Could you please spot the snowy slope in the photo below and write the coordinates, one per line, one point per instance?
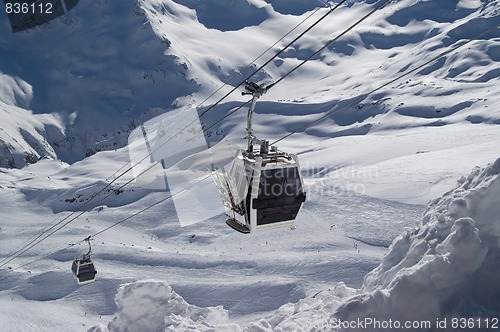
(102, 70)
(443, 269)
(73, 90)
(99, 70)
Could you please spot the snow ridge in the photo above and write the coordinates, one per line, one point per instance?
(445, 267)
(153, 306)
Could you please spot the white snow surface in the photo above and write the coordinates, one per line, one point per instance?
(154, 306)
(106, 69)
(443, 268)
(73, 90)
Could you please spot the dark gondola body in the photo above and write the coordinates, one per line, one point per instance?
(83, 270)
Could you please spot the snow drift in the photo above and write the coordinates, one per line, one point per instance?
(154, 306)
(444, 268)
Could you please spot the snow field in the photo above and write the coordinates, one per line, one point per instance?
(369, 167)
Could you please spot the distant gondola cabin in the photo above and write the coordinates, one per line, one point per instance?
(83, 270)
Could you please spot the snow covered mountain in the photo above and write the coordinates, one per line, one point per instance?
(100, 70)
(72, 91)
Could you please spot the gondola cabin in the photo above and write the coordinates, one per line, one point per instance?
(263, 188)
(83, 270)
(263, 192)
